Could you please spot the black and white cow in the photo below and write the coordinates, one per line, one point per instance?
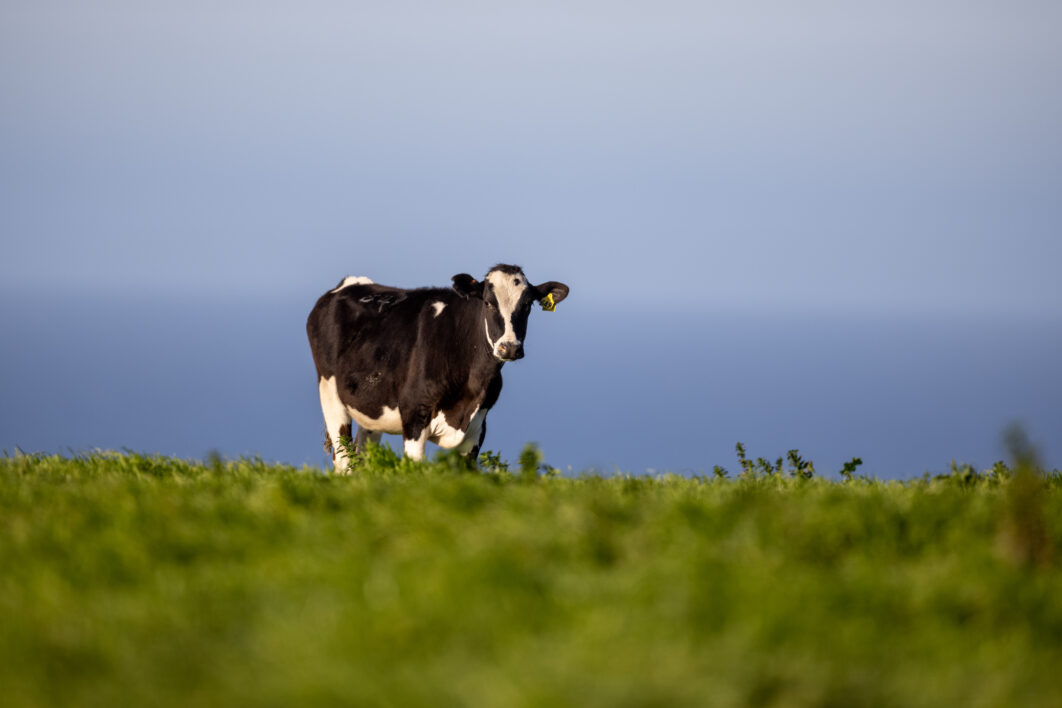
(424, 363)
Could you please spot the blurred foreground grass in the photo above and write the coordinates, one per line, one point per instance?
(148, 581)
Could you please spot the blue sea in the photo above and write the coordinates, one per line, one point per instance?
(616, 388)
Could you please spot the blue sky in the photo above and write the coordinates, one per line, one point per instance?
(898, 160)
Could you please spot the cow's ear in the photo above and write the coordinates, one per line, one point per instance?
(466, 286)
(549, 294)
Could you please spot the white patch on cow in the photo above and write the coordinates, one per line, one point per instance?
(335, 416)
(414, 448)
(353, 280)
(472, 433)
(508, 288)
(439, 306)
(446, 436)
(390, 420)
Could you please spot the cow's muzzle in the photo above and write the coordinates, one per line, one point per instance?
(509, 351)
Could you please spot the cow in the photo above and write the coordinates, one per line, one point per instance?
(424, 363)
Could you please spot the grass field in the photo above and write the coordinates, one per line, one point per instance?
(145, 581)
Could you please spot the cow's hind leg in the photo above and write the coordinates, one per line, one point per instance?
(366, 436)
(337, 423)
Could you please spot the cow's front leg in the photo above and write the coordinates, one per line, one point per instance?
(415, 431)
(472, 451)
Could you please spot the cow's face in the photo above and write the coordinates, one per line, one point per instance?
(507, 299)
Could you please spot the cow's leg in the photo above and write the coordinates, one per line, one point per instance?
(474, 435)
(469, 447)
(415, 447)
(337, 422)
(366, 436)
(415, 431)
(473, 454)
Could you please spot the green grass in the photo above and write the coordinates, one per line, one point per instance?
(148, 581)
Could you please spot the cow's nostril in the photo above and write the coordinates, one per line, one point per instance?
(508, 350)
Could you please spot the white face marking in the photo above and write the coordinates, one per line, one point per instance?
(508, 289)
(353, 280)
(439, 306)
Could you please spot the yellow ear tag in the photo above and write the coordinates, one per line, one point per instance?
(547, 303)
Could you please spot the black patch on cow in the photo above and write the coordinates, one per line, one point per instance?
(383, 300)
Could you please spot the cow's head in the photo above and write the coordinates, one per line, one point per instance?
(507, 298)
